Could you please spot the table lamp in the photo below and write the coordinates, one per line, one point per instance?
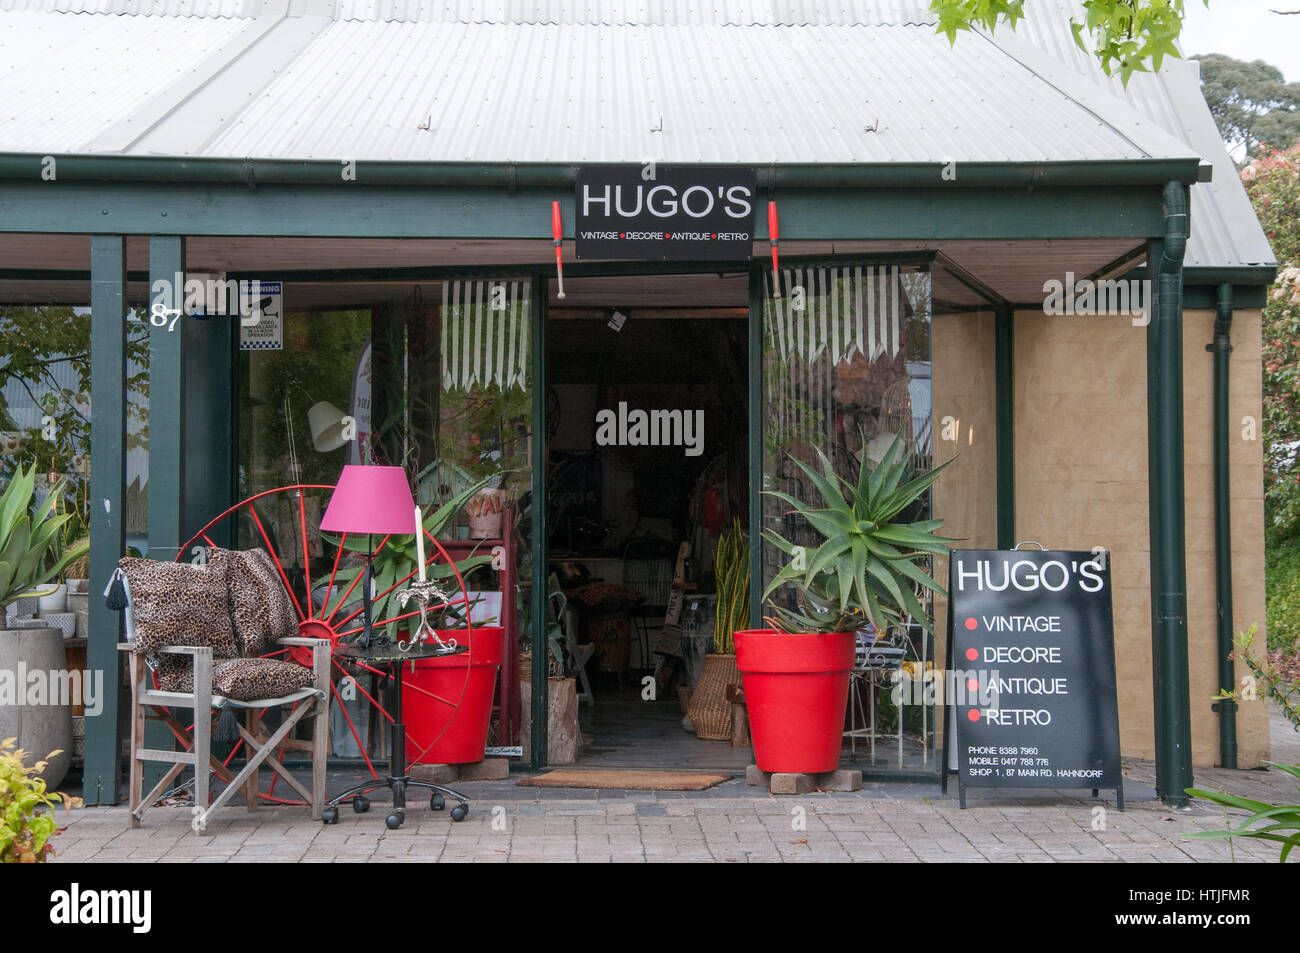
(371, 500)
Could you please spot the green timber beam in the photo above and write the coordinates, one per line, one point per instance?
(1172, 701)
(108, 398)
(350, 210)
(167, 393)
(1004, 400)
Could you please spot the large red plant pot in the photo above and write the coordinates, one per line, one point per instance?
(466, 726)
(796, 694)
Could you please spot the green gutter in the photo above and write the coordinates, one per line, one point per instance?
(537, 551)
(512, 175)
(1226, 707)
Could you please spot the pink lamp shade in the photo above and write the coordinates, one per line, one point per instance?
(370, 500)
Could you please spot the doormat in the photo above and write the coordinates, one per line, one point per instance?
(625, 780)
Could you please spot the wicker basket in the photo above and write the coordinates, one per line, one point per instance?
(710, 712)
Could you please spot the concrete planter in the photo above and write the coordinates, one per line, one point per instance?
(39, 729)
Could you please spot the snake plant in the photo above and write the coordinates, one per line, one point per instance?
(731, 571)
(866, 569)
(27, 538)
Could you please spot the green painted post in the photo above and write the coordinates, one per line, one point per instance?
(1004, 351)
(167, 345)
(103, 762)
(1172, 701)
(541, 605)
(167, 398)
(756, 581)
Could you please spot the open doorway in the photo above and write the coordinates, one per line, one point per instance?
(647, 467)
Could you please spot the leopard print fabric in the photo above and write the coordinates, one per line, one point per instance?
(259, 604)
(179, 604)
(251, 679)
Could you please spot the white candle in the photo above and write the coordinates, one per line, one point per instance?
(419, 543)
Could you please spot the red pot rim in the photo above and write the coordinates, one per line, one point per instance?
(768, 650)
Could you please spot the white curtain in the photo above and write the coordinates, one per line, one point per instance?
(485, 334)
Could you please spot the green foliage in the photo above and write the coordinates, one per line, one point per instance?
(399, 558)
(1273, 184)
(1275, 819)
(26, 808)
(1270, 677)
(1127, 36)
(34, 343)
(866, 570)
(731, 570)
(27, 537)
(1252, 104)
(1282, 591)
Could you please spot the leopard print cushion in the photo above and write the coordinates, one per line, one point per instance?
(259, 604)
(250, 679)
(179, 604)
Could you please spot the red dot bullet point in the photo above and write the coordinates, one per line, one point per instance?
(972, 684)
(971, 624)
(972, 654)
(973, 714)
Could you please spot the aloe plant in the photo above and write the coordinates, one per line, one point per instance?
(27, 538)
(731, 572)
(866, 569)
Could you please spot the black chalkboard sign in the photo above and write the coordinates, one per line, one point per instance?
(1030, 693)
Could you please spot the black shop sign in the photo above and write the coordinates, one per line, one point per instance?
(656, 212)
(1030, 694)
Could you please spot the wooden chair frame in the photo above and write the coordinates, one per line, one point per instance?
(148, 704)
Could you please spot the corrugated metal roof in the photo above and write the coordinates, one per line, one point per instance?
(643, 12)
(66, 79)
(175, 8)
(756, 81)
(606, 12)
(586, 93)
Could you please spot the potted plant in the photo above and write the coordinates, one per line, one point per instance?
(26, 538)
(710, 711)
(26, 808)
(796, 673)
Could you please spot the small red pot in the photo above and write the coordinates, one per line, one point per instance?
(466, 725)
(796, 694)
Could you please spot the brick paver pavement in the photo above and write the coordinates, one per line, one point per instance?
(731, 823)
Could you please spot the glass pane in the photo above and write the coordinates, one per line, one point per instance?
(846, 372)
(434, 379)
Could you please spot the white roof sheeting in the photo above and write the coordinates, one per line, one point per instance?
(748, 81)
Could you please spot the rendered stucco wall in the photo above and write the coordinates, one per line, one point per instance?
(1081, 481)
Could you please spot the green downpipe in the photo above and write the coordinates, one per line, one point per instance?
(1222, 347)
(1172, 700)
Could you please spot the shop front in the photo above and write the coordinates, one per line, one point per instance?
(627, 389)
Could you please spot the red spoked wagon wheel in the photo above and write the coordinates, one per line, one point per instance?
(340, 615)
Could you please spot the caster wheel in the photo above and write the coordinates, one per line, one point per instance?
(360, 804)
(330, 815)
(460, 812)
(437, 802)
(394, 821)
